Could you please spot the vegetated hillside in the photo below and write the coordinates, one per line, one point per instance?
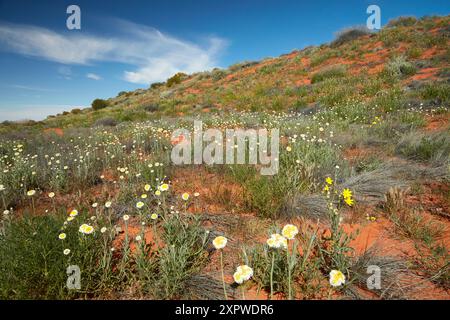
(363, 177)
(406, 62)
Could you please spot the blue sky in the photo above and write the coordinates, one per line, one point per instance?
(124, 45)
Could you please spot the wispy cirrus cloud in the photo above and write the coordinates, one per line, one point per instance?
(154, 55)
(93, 76)
(30, 88)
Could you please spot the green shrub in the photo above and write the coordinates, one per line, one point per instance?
(218, 74)
(350, 34)
(98, 104)
(398, 67)
(75, 111)
(436, 91)
(414, 52)
(105, 122)
(151, 107)
(156, 85)
(331, 72)
(176, 79)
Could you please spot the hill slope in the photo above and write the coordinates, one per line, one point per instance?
(396, 65)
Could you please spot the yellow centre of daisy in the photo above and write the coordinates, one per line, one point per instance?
(289, 231)
(220, 242)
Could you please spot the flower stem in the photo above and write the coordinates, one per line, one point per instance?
(271, 276)
(223, 276)
(289, 273)
(32, 205)
(4, 202)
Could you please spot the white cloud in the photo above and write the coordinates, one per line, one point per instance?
(93, 76)
(154, 55)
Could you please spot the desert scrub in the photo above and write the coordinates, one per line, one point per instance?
(34, 258)
(392, 36)
(335, 91)
(388, 100)
(350, 34)
(436, 91)
(183, 256)
(299, 172)
(98, 104)
(424, 147)
(318, 58)
(403, 21)
(176, 79)
(410, 222)
(261, 193)
(336, 71)
(397, 282)
(398, 67)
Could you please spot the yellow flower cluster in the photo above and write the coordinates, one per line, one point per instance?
(348, 197)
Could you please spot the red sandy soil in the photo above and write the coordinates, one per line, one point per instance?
(57, 131)
(302, 82)
(210, 186)
(430, 53)
(437, 122)
(425, 74)
(376, 69)
(354, 154)
(134, 229)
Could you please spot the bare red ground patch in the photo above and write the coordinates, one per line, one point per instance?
(437, 122)
(216, 194)
(57, 131)
(303, 82)
(425, 74)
